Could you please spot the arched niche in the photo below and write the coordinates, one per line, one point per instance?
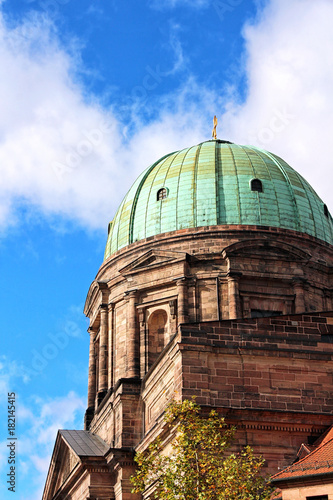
(158, 333)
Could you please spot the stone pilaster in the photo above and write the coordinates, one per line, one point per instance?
(233, 295)
(246, 307)
(91, 382)
(143, 343)
(122, 464)
(288, 306)
(327, 300)
(133, 342)
(182, 300)
(111, 346)
(298, 286)
(103, 354)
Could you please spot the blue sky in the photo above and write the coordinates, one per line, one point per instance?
(92, 93)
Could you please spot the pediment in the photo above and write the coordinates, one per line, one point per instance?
(69, 449)
(263, 248)
(63, 462)
(151, 259)
(68, 461)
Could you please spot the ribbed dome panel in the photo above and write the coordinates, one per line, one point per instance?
(210, 184)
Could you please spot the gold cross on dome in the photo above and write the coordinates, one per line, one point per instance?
(214, 129)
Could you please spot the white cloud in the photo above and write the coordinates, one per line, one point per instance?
(289, 104)
(40, 421)
(10, 372)
(57, 150)
(61, 154)
(176, 46)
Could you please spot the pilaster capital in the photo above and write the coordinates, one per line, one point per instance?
(103, 313)
(181, 281)
(234, 275)
(102, 285)
(299, 282)
(131, 294)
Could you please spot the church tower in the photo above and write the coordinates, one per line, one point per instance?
(216, 283)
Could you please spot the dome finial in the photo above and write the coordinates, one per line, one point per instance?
(214, 129)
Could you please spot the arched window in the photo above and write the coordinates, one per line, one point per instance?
(256, 185)
(162, 194)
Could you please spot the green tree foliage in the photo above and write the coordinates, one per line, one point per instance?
(199, 467)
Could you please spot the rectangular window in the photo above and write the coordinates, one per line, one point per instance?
(318, 497)
(258, 313)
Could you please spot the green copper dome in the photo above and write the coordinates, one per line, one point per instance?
(215, 183)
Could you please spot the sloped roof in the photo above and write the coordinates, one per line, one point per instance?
(327, 436)
(84, 444)
(318, 462)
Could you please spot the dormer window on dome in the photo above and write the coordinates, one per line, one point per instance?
(326, 210)
(256, 185)
(162, 194)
